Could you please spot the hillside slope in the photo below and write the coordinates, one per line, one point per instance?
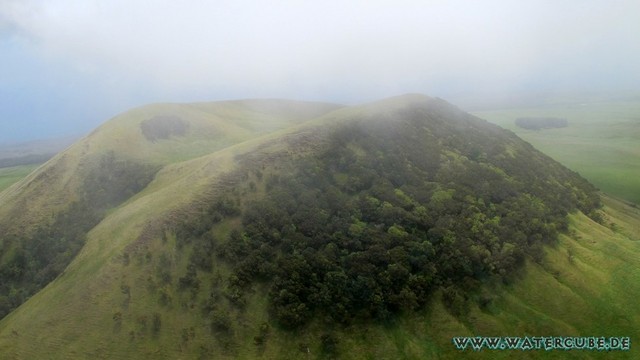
(45, 217)
(600, 141)
(63, 322)
(379, 230)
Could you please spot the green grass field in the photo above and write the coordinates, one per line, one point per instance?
(602, 141)
(11, 175)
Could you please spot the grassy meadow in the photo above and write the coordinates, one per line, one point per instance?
(602, 141)
(11, 175)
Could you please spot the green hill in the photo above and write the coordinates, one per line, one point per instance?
(44, 218)
(296, 230)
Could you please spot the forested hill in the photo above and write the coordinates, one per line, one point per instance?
(398, 199)
(315, 218)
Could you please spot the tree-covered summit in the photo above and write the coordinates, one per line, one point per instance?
(390, 205)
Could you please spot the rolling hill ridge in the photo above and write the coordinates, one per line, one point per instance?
(275, 229)
(48, 214)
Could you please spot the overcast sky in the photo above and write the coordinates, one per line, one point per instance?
(68, 65)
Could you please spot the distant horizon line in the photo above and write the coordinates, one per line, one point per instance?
(491, 100)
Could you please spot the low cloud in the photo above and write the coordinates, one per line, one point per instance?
(334, 50)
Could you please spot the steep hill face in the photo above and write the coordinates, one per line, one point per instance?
(340, 222)
(44, 218)
(375, 212)
(386, 207)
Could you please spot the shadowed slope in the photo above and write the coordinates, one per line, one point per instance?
(44, 217)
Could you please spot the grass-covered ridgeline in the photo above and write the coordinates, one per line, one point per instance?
(29, 261)
(45, 216)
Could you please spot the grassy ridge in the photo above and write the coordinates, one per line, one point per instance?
(45, 217)
(601, 141)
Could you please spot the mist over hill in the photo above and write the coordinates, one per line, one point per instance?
(225, 228)
(372, 213)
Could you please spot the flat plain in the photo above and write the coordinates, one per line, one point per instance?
(11, 175)
(601, 142)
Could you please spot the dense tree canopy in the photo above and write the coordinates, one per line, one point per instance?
(390, 210)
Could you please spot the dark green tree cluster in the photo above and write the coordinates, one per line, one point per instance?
(390, 210)
(163, 127)
(31, 262)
